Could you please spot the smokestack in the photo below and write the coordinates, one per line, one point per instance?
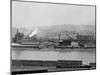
(59, 36)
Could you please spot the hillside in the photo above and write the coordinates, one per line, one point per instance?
(52, 31)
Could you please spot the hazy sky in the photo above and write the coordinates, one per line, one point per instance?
(27, 14)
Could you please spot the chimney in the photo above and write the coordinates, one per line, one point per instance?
(59, 36)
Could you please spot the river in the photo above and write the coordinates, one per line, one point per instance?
(86, 56)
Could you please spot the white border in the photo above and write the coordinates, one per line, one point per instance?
(5, 37)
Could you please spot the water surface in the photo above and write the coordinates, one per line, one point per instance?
(87, 56)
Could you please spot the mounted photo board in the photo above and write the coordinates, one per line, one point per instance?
(52, 37)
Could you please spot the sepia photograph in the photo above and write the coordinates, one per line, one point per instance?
(52, 37)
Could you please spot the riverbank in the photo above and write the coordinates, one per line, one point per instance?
(33, 66)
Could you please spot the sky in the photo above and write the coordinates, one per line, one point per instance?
(30, 14)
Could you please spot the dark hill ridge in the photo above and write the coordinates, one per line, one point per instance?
(76, 28)
(52, 31)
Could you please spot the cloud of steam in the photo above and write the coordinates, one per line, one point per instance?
(34, 32)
